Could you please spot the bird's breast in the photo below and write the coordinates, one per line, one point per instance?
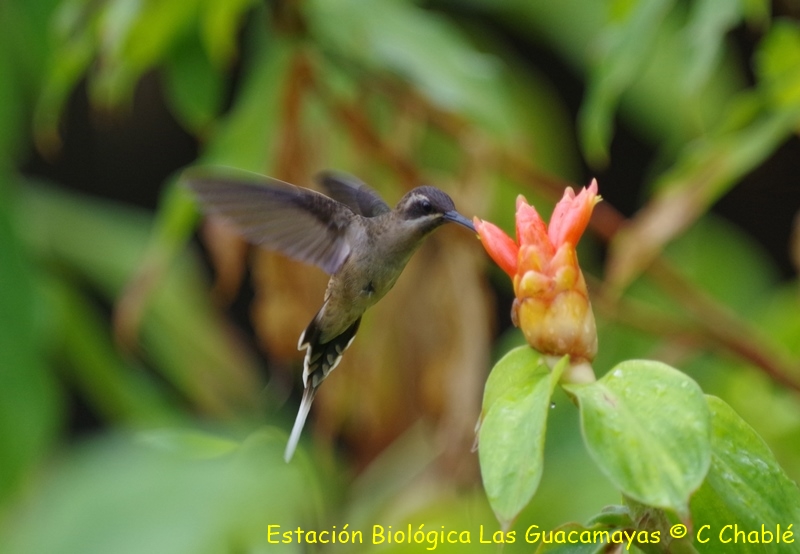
(376, 261)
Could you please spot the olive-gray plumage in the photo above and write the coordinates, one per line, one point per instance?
(353, 235)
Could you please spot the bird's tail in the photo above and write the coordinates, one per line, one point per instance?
(321, 359)
(305, 405)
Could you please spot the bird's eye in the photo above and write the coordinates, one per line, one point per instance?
(426, 206)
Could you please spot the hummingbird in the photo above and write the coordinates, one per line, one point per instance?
(351, 233)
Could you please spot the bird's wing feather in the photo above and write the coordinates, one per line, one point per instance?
(301, 223)
(353, 192)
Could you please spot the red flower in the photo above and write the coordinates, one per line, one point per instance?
(552, 303)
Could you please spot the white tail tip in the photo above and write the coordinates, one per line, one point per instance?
(299, 422)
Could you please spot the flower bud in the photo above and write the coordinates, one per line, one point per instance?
(552, 302)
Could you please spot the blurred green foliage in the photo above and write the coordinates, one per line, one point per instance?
(187, 457)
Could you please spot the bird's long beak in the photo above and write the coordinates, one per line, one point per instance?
(456, 217)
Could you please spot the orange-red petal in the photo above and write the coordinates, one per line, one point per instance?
(498, 245)
(571, 215)
(531, 229)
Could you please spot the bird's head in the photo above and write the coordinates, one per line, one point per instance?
(428, 207)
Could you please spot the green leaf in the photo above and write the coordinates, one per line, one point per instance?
(10, 111)
(777, 64)
(780, 317)
(28, 399)
(193, 85)
(246, 138)
(125, 497)
(20, 63)
(511, 437)
(182, 334)
(135, 37)
(73, 46)
(509, 370)
(219, 25)
(648, 428)
(708, 26)
(24, 51)
(174, 224)
(655, 102)
(418, 45)
(625, 51)
(116, 389)
(757, 12)
(188, 442)
(745, 486)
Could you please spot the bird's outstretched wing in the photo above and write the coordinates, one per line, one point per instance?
(301, 223)
(352, 192)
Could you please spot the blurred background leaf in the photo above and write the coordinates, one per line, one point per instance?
(138, 499)
(29, 414)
